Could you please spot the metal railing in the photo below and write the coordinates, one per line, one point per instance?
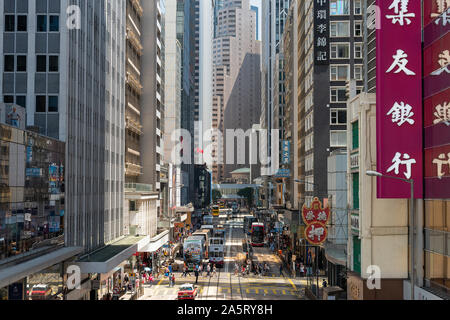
(138, 187)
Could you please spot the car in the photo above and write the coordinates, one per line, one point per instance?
(187, 292)
(40, 292)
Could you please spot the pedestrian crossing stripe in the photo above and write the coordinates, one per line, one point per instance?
(247, 290)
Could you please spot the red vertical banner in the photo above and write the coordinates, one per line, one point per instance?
(399, 98)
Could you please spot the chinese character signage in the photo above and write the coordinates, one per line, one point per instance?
(316, 218)
(399, 98)
(321, 32)
(436, 84)
(286, 152)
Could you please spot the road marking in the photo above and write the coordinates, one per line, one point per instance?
(274, 291)
(293, 285)
(257, 291)
(247, 290)
(266, 291)
(160, 281)
(284, 292)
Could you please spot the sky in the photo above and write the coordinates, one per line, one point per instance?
(257, 3)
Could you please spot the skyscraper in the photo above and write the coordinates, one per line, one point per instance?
(236, 80)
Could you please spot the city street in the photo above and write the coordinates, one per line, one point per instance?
(225, 285)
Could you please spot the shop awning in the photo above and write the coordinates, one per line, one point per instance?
(19, 271)
(336, 255)
(110, 256)
(156, 242)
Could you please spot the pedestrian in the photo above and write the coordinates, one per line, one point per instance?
(214, 269)
(150, 279)
(196, 276)
(184, 271)
(324, 283)
(208, 270)
(236, 269)
(200, 270)
(302, 270)
(281, 270)
(173, 280)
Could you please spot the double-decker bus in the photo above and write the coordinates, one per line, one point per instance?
(257, 234)
(216, 251)
(193, 251)
(215, 210)
(248, 221)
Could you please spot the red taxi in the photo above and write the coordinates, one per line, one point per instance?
(187, 292)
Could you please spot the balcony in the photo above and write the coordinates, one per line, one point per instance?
(134, 126)
(134, 83)
(132, 169)
(138, 7)
(135, 41)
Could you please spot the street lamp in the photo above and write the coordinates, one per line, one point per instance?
(412, 222)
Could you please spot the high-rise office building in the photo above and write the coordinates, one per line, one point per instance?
(236, 82)
(64, 63)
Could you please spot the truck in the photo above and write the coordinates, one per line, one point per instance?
(193, 251)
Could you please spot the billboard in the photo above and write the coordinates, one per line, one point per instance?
(399, 99)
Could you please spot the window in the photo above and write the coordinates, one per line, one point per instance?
(355, 178)
(339, 7)
(21, 23)
(338, 138)
(358, 51)
(9, 23)
(355, 135)
(53, 104)
(358, 72)
(339, 73)
(339, 29)
(340, 51)
(8, 99)
(21, 63)
(21, 101)
(41, 63)
(338, 94)
(41, 23)
(53, 63)
(9, 63)
(338, 117)
(40, 103)
(54, 23)
(358, 7)
(358, 28)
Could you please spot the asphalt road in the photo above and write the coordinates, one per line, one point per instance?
(225, 285)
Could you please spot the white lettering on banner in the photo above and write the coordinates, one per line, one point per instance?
(442, 113)
(322, 216)
(400, 8)
(322, 28)
(444, 62)
(310, 216)
(322, 2)
(443, 7)
(400, 61)
(440, 162)
(401, 113)
(406, 161)
(319, 232)
(321, 14)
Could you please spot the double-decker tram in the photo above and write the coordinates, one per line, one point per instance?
(257, 234)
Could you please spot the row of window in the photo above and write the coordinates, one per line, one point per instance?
(19, 63)
(43, 103)
(342, 7)
(342, 50)
(19, 23)
(339, 29)
(342, 72)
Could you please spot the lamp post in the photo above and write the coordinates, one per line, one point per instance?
(317, 247)
(412, 223)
